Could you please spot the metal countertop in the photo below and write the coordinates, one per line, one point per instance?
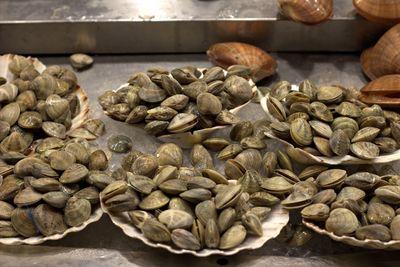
(103, 244)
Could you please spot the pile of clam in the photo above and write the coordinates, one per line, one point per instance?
(36, 104)
(362, 204)
(331, 121)
(190, 207)
(181, 100)
(54, 188)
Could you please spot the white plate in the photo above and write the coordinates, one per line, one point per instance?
(188, 139)
(272, 226)
(352, 241)
(307, 158)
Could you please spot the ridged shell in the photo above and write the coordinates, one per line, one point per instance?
(382, 91)
(381, 11)
(233, 53)
(307, 11)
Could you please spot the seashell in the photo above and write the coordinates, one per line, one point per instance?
(141, 183)
(341, 222)
(233, 53)
(280, 90)
(228, 197)
(385, 50)
(200, 157)
(339, 143)
(238, 89)
(269, 162)
(15, 142)
(145, 165)
(8, 92)
(4, 129)
(95, 126)
(307, 11)
(182, 122)
(169, 154)
(215, 143)
(138, 217)
(56, 199)
(63, 74)
(27, 197)
(113, 189)
(57, 107)
(154, 201)
(80, 153)
(10, 113)
(208, 104)
(126, 201)
(348, 109)
(194, 89)
(156, 127)
(277, 185)
(380, 213)
(381, 11)
(316, 212)
(30, 120)
(119, 143)
(276, 108)
(46, 184)
(226, 117)
(311, 171)
(233, 237)
(177, 203)
(250, 159)
(74, 173)
(296, 199)
(173, 187)
(213, 74)
(206, 211)
(76, 211)
(156, 231)
(330, 94)
(26, 100)
(196, 195)
(389, 194)
(6, 210)
(365, 150)
(19, 63)
(331, 178)
(300, 131)
(200, 182)
(48, 220)
(81, 61)
(176, 102)
(98, 160)
(108, 99)
(22, 221)
(238, 70)
(185, 240)
(350, 192)
(226, 219)
(386, 144)
(61, 160)
(185, 75)
(90, 193)
(99, 179)
(381, 91)
(374, 232)
(54, 129)
(362, 180)
(326, 196)
(263, 199)
(366, 134)
(308, 88)
(7, 230)
(211, 234)
(395, 227)
(176, 219)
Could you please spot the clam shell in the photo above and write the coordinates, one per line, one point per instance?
(381, 11)
(307, 11)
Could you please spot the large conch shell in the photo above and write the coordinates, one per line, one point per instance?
(307, 11)
(384, 91)
(226, 54)
(381, 11)
(384, 57)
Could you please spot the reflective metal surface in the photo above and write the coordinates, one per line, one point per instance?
(172, 26)
(103, 244)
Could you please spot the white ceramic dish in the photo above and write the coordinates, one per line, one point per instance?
(352, 241)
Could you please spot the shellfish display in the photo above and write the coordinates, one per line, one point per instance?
(184, 105)
(357, 208)
(194, 210)
(329, 124)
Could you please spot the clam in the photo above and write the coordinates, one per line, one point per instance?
(238, 90)
(395, 228)
(200, 157)
(381, 91)
(226, 117)
(365, 150)
(74, 173)
(316, 212)
(250, 159)
(211, 234)
(215, 143)
(208, 104)
(169, 154)
(339, 143)
(232, 53)
(331, 178)
(176, 102)
(177, 203)
(27, 197)
(155, 231)
(176, 219)
(276, 108)
(82, 133)
(46, 184)
(380, 213)
(307, 11)
(151, 93)
(54, 129)
(341, 222)
(138, 217)
(4, 129)
(27, 100)
(7, 230)
(196, 195)
(79, 151)
(10, 113)
(386, 144)
(18, 63)
(48, 220)
(296, 200)
(182, 122)
(141, 183)
(185, 75)
(374, 232)
(362, 180)
(381, 11)
(320, 111)
(119, 143)
(76, 211)
(6, 210)
(8, 92)
(154, 201)
(226, 219)
(98, 160)
(99, 179)
(56, 199)
(137, 114)
(22, 221)
(90, 193)
(300, 131)
(81, 61)
(206, 211)
(15, 142)
(95, 126)
(185, 239)
(61, 160)
(277, 185)
(233, 237)
(263, 199)
(229, 152)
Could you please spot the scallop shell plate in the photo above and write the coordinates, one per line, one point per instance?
(352, 241)
(188, 139)
(308, 158)
(40, 67)
(272, 226)
(76, 123)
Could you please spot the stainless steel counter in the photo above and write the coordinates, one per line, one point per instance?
(103, 244)
(172, 26)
